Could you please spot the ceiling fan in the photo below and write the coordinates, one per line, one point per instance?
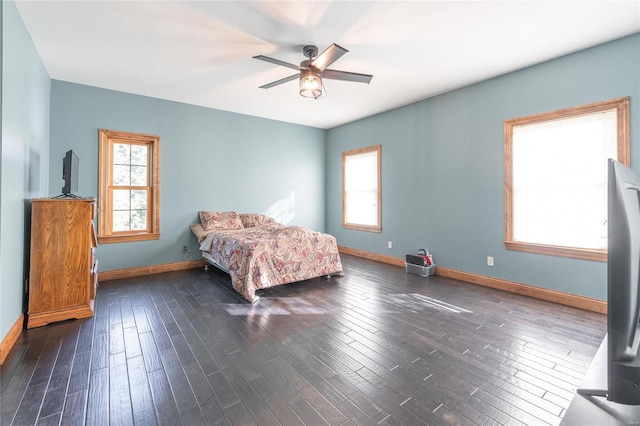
(311, 71)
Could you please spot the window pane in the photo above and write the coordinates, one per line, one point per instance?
(121, 199)
(362, 208)
(361, 172)
(575, 150)
(577, 218)
(138, 176)
(121, 153)
(138, 220)
(138, 200)
(121, 175)
(139, 155)
(121, 221)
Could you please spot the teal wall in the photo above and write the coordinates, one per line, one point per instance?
(25, 156)
(442, 166)
(210, 160)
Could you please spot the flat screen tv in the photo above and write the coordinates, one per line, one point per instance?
(623, 285)
(70, 173)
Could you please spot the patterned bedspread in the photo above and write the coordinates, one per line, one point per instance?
(272, 254)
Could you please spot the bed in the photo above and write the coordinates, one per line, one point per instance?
(257, 252)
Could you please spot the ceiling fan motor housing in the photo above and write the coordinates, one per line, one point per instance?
(310, 51)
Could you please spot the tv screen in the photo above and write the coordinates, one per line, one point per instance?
(70, 173)
(623, 287)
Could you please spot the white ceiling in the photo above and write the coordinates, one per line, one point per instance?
(201, 52)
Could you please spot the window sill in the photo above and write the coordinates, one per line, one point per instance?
(368, 228)
(573, 252)
(128, 238)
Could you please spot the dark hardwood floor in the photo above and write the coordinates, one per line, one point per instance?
(377, 346)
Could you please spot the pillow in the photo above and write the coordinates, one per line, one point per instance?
(199, 232)
(249, 220)
(216, 220)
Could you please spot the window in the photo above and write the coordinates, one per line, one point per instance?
(555, 178)
(361, 192)
(129, 187)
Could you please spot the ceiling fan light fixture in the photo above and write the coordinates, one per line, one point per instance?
(310, 84)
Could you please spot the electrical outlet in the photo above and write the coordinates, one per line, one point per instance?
(489, 260)
(389, 244)
(185, 249)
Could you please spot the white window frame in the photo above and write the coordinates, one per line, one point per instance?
(621, 107)
(375, 186)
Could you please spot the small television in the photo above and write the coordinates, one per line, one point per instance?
(70, 173)
(623, 285)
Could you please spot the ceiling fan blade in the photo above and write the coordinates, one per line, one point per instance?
(282, 80)
(347, 76)
(329, 56)
(277, 62)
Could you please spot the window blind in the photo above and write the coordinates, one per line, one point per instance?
(559, 180)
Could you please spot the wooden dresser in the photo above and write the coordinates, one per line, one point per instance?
(63, 268)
